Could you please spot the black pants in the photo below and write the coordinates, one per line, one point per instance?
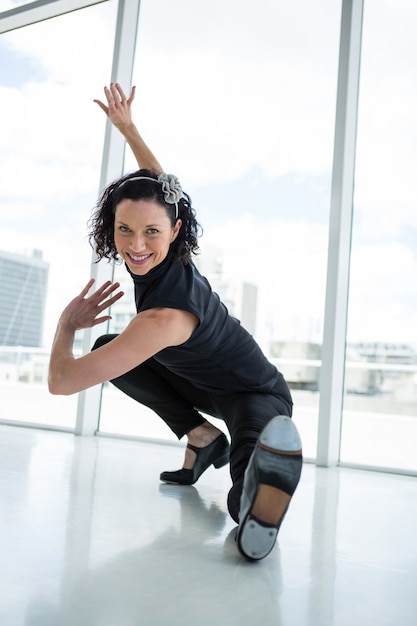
(178, 403)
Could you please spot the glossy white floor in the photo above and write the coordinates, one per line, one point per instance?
(89, 537)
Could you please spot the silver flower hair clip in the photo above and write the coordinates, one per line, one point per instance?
(171, 187)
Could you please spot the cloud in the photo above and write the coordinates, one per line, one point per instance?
(288, 263)
(385, 184)
(252, 99)
(220, 99)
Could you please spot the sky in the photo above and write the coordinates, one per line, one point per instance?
(242, 109)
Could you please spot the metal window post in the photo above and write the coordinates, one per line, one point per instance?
(89, 401)
(340, 229)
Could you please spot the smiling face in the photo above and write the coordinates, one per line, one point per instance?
(143, 234)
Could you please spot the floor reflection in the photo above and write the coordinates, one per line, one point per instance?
(90, 537)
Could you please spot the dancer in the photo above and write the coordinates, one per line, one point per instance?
(182, 354)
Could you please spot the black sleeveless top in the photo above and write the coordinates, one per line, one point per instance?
(220, 356)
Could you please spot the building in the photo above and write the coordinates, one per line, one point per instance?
(371, 368)
(302, 362)
(239, 296)
(23, 288)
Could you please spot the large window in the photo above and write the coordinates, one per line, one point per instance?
(380, 408)
(240, 104)
(242, 109)
(50, 154)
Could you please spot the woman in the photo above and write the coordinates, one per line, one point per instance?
(182, 354)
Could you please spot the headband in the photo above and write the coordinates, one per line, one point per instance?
(171, 187)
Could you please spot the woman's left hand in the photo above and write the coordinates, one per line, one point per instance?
(83, 312)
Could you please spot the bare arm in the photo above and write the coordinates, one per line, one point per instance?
(148, 333)
(118, 110)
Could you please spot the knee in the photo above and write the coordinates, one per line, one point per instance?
(101, 341)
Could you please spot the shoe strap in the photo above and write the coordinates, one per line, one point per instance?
(197, 450)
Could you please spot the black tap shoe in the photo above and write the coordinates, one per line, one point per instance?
(271, 478)
(216, 453)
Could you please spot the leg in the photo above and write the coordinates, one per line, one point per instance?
(178, 403)
(265, 465)
(246, 415)
(270, 480)
(154, 386)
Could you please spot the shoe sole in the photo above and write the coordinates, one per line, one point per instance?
(258, 532)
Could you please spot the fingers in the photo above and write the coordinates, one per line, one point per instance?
(100, 300)
(132, 96)
(101, 293)
(87, 288)
(110, 301)
(116, 96)
(106, 289)
(84, 310)
(102, 106)
(100, 320)
(118, 91)
(105, 302)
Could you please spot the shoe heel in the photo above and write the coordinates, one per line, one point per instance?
(223, 460)
(281, 435)
(256, 540)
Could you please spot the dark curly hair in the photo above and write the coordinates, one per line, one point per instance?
(101, 224)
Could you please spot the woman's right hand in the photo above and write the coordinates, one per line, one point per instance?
(118, 108)
(84, 311)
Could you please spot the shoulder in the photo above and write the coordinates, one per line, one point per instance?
(172, 326)
(180, 284)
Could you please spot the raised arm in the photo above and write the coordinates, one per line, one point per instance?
(118, 110)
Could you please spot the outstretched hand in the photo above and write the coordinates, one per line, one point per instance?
(118, 108)
(82, 311)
